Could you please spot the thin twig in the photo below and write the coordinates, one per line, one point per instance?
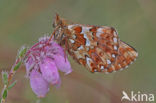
(12, 72)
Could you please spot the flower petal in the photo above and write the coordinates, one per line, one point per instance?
(58, 48)
(62, 64)
(49, 71)
(39, 86)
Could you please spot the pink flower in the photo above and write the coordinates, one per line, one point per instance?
(29, 64)
(39, 86)
(44, 59)
(49, 71)
(62, 64)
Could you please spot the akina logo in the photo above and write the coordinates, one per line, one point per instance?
(137, 97)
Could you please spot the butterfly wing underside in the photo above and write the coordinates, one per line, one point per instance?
(98, 48)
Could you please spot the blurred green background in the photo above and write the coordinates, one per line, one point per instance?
(24, 21)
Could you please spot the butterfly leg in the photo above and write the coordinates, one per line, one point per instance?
(53, 34)
(66, 47)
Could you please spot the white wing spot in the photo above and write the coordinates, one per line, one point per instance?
(87, 40)
(81, 47)
(137, 54)
(95, 70)
(126, 66)
(108, 61)
(102, 67)
(120, 69)
(131, 62)
(73, 36)
(85, 29)
(70, 26)
(98, 34)
(115, 40)
(113, 55)
(77, 53)
(84, 32)
(115, 48)
(113, 67)
(99, 31)
(71, 40)
(88, 61)
(115, 33)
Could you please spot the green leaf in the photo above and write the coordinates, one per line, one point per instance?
(5, 77)
(5, 93)
(12, 85)
(22, 51)
(17, 66)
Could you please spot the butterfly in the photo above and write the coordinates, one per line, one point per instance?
(98, 48)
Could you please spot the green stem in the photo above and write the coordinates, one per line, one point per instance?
(12, 72)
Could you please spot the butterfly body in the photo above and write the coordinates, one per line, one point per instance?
(98, 48)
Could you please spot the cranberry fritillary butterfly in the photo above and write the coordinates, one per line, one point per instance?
(98, 48)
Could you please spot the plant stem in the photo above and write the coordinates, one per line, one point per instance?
(12, 72)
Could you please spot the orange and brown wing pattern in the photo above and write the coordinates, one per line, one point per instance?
(98, 48)
(127, 55)
(92, 46)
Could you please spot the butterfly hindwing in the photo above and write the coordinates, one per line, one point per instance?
(127, 55)
(94, 47)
